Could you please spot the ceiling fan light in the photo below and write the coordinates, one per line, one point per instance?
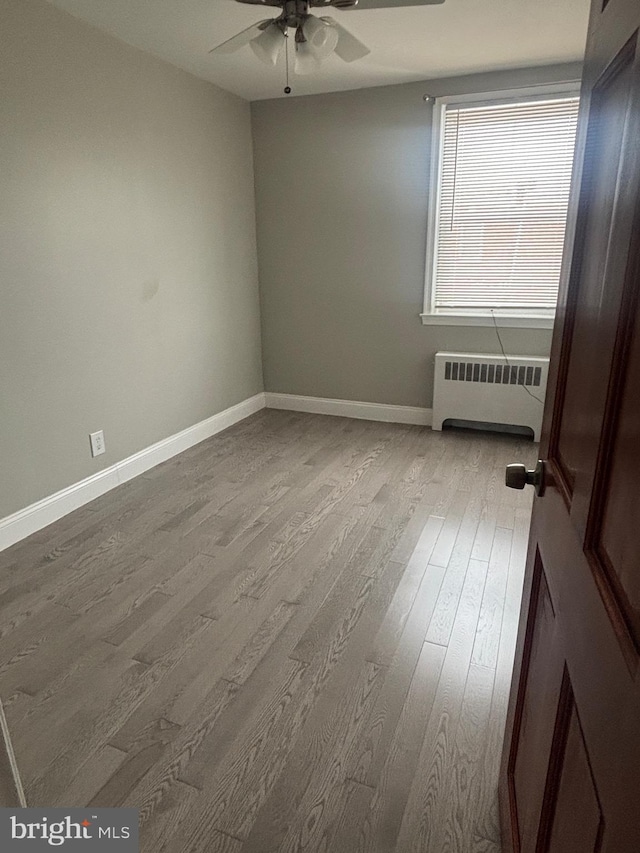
(268, 45)
(306, 60)
(321, 37)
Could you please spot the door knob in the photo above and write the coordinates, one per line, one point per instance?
(517, 476)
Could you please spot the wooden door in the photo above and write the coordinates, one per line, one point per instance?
(570, 779)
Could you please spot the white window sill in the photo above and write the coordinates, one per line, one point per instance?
(503, 321)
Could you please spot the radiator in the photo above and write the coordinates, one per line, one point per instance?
(488, 389)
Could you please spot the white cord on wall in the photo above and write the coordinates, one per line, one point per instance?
(530, 393)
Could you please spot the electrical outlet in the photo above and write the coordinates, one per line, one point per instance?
(97, 442)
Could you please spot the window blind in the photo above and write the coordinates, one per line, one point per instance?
(503, 197)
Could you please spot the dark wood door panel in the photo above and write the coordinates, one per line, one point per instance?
(554, 645)
(576, 822)
(571, 771)
(615, 515)
(577, 598)
(588, 364)
(541, 681)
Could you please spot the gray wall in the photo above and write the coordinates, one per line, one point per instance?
(128, 274)
(341, 201)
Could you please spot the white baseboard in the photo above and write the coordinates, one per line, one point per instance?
(350, 409)
(32, 518)
(26, 521)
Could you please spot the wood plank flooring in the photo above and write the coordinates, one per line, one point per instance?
(296, 636)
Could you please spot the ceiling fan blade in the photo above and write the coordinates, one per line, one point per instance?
(242, 38)
(348, 48)
(347, 5)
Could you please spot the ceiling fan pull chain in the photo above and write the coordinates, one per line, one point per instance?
(287, 88)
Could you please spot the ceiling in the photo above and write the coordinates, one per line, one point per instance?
(414, 43)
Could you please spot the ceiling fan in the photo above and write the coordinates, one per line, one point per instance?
(316, 38)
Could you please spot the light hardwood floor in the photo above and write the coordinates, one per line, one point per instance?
(296, 636)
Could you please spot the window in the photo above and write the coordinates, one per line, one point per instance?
(501, 174)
